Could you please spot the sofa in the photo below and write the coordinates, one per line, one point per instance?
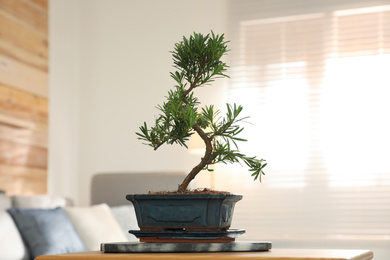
(37, 225)
(42, 224)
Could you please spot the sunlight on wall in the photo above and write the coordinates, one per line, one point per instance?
(316, 87)
(355, 124)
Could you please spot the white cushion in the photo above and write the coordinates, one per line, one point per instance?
(11, 246)
(38, 202)
(95, 225)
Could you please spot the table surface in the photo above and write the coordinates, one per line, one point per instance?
(273, 254)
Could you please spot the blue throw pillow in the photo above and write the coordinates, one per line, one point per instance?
(47, 231)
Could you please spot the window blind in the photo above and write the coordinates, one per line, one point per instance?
(314, 78)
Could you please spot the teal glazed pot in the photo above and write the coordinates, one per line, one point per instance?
(184, 211)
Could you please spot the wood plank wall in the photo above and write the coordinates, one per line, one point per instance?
(23, 96)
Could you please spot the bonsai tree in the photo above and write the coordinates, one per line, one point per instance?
(198, 63)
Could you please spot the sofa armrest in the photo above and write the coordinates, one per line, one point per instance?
(39, 201)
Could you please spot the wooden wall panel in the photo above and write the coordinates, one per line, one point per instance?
(32, 14)
(19, 75)
(23, 96)
(22, 155)
(23, 104)
(20, 54)
(36, 136)
(14, 30)
(41, 3)
(24, 180)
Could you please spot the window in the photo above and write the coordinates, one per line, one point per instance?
(315, 81)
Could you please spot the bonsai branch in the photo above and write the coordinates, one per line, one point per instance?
(203, 162)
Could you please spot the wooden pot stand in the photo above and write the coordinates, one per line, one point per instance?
(187, 236)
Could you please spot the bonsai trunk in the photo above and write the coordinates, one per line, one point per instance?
(203, 162)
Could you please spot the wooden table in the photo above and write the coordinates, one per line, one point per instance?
(274, 254)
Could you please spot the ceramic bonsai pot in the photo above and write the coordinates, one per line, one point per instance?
(207, 212)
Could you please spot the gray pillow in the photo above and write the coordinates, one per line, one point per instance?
(47, 231)
(125, 215)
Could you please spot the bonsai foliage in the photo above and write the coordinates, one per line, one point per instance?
(198, 63)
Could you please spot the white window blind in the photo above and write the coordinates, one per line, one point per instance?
(314, 76)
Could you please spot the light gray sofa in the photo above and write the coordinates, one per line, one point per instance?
(112, 187)
(36, 225)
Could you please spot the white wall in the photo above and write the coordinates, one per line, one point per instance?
(109, 68)
(64, 74)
